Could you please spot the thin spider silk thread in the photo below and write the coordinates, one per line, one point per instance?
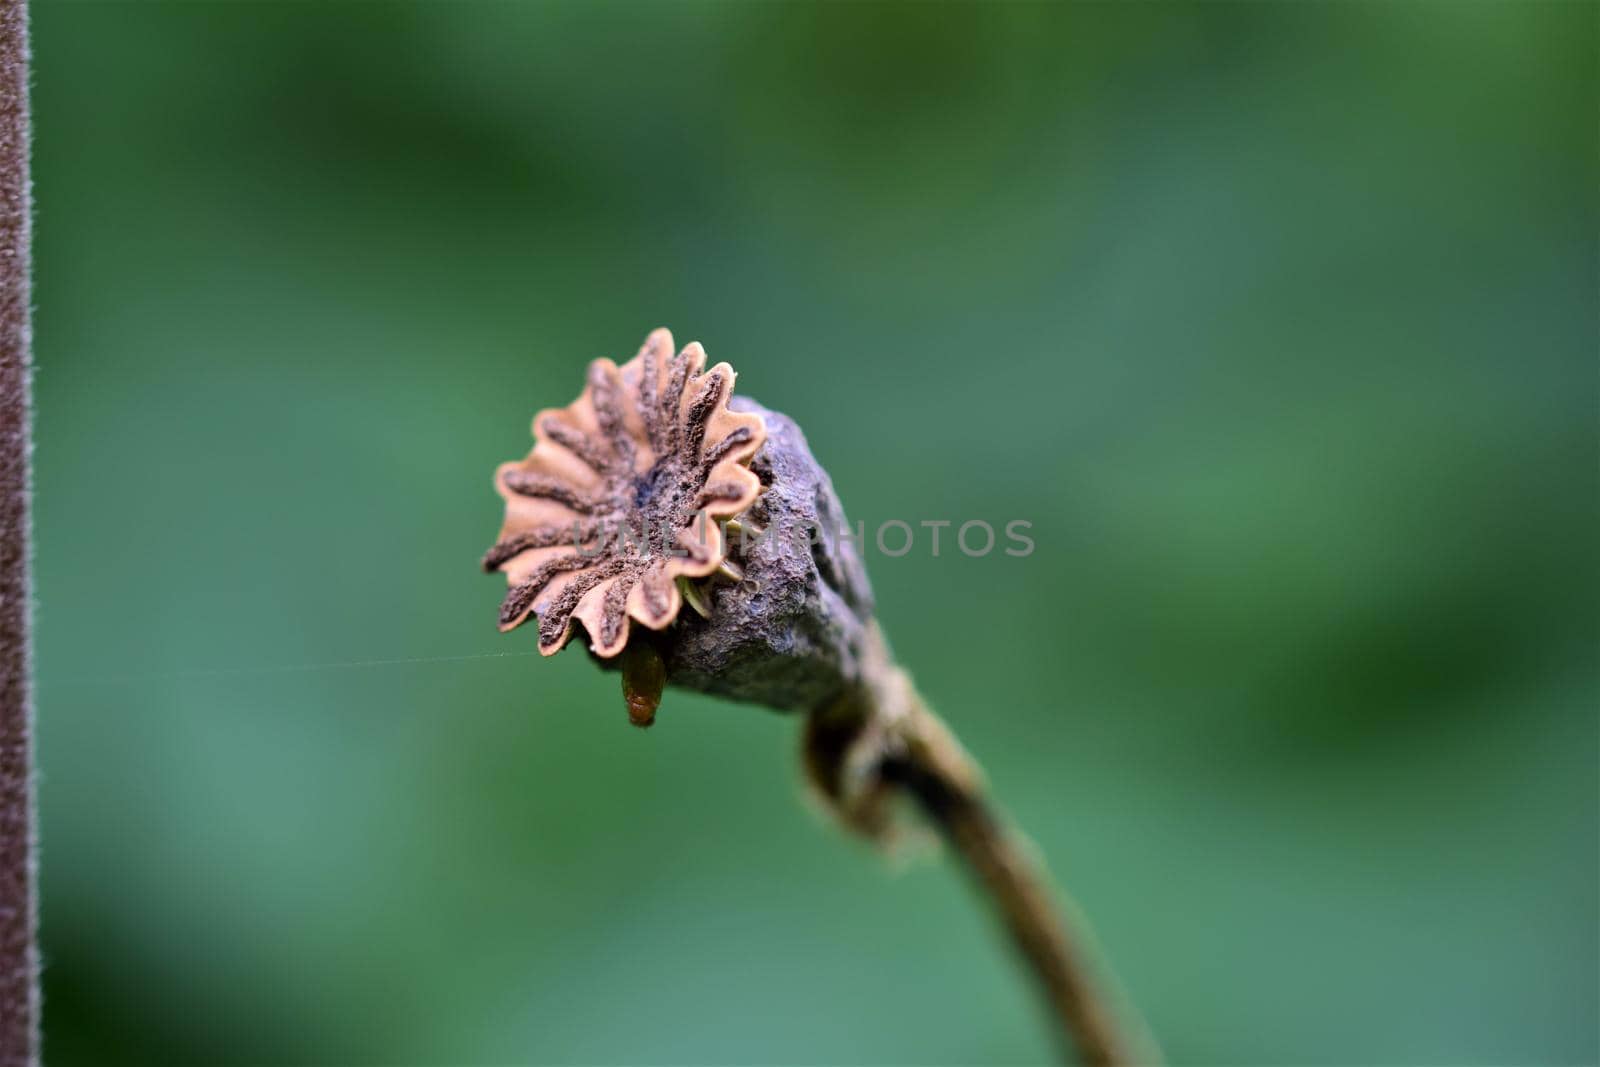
(287, 668)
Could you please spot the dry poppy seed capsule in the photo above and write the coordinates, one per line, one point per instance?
(658, 488)
(622, 496)
(796, 632)
(650, 484)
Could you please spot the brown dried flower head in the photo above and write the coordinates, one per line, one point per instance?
(621, 495)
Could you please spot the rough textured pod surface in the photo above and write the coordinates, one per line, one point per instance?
(792, 632)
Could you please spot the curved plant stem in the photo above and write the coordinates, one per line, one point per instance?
(882, 738)
(1019, 892)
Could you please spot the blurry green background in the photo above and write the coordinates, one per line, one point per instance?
(1277, 321)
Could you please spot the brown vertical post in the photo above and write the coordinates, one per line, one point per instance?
(19, 966)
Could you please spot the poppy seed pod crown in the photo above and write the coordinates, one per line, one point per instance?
(601, 517)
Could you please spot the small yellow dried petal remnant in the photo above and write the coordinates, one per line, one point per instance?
(617, 498)
(644, 676)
